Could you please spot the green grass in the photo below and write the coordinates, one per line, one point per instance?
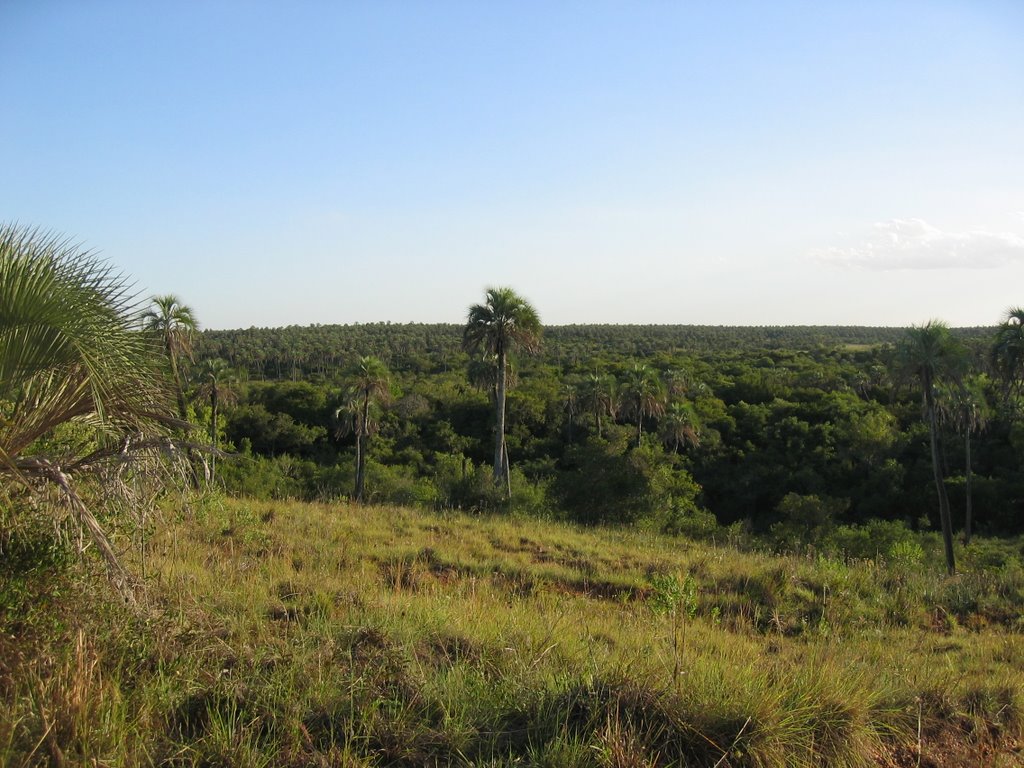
(278, 633)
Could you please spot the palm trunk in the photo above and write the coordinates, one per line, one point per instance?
(361, 436)
(213, 430)
(179, 392)
(639, 426)
(500, 462)
(940, 486)
(360, 466)
(506, 469)
(968, 513)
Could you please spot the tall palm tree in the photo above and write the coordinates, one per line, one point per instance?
(173, 324)
(680, 425)
(599, 397)
(963, 405)
(370, 384)
(215, 379)
(503, 323)
(570, 404)
(929, 354)
(1008, 351)
(70, 353)
(643, 396)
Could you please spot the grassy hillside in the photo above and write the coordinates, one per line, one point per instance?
(277, 633)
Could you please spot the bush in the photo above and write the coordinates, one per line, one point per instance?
(874, 539)
(806, 520)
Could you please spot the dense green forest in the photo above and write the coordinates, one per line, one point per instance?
(793, 432)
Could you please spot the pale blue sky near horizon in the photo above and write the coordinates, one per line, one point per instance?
(735, 163)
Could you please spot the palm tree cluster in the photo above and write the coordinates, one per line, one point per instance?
(640, 397)
(1008, 352)
(951, 393)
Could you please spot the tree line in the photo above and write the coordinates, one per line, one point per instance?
(787, 431)
(682, 427)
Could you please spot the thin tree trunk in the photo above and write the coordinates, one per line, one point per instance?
(359, 468)
(179, 392)
(940, 486)
(118, 575)
(499, 424)
(364, 429)
(213, 430)
(968, 513)
(506, 469)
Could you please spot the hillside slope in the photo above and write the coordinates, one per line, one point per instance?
(279, 633)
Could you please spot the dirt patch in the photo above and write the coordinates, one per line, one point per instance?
(953, 748)
(446, 650)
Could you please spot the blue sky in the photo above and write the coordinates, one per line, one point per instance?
(660, 162)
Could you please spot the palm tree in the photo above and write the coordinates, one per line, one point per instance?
(643, 396)
(570, 404)
(929, 353)
(681, 426)
(598, 395)
(370, 385)
(70, 353)
(1008, 351)
(963, 405)
(215, 378)
(503, 323)
(174, 324)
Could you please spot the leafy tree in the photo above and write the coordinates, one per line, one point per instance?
(642, 396)
(271, 434)
(370, 385)
(503, 323)
(174, 324)
(80, 389)
(806, 519)
(929, 353)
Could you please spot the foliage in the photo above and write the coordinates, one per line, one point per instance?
(811, 411)
(80, 392)
(806, 521)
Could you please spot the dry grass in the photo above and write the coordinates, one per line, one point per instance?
(291, 634)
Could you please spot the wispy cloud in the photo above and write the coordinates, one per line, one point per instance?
(916, 244)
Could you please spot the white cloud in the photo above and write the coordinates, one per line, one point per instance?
(915, 244)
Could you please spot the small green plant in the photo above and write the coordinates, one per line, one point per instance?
(670, 595)
(907, 553)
